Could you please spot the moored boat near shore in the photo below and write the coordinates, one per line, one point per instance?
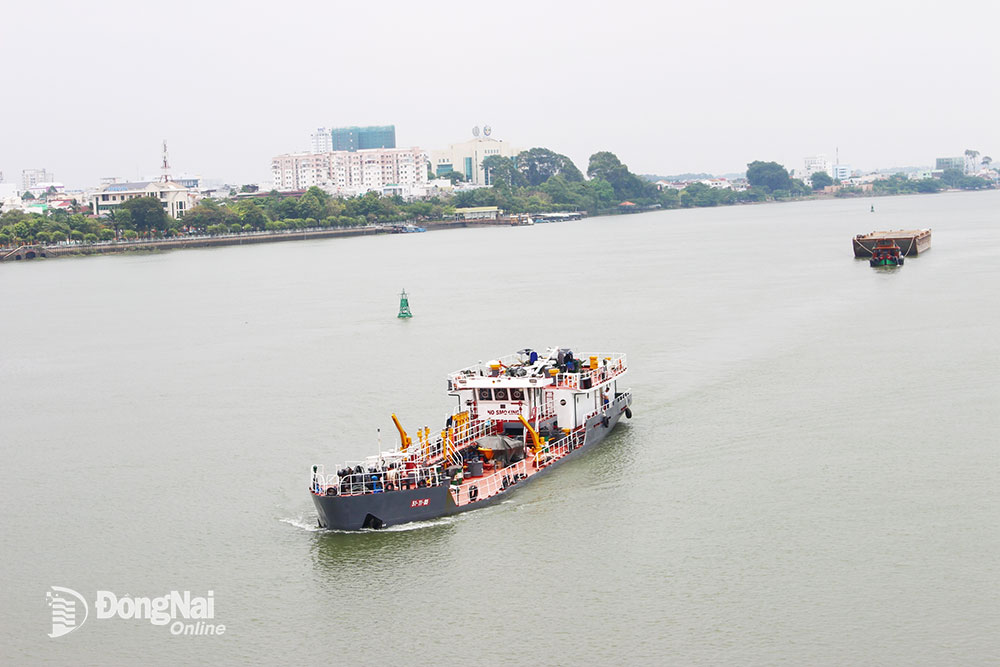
(517, 417)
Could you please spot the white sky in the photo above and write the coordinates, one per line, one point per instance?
(93, 88)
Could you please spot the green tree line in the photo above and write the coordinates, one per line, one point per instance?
(535, 181)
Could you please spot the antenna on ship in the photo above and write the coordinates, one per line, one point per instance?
(166, 163)
(404, 305)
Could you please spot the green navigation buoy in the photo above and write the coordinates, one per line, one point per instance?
(404, 305)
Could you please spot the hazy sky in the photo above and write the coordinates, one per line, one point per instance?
(92, 88)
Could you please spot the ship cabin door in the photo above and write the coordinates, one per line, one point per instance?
(565, 408)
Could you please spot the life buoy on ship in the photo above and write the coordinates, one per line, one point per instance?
(331, 491)
(473, 492)
(628, 413)
(506, 482)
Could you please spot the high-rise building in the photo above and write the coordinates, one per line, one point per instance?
(816, 164)
(840, 172)
(32, 177)
(363, 138)
(351, 172)
(944, 163)
(321, 141)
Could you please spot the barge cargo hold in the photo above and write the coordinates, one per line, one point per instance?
(911, 242)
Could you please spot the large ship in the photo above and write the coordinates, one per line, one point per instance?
(517, 417)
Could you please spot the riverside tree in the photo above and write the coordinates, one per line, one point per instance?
(606, 166)
(503, 171)
(538, 165)
(768, 175)
(820, 180)
(147, 214)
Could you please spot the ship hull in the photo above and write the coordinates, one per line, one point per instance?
(381, 510)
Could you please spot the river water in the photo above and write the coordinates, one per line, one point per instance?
(811, 475)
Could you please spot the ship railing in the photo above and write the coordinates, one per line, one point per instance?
(473, 430)
(553, 450)
(607, 368)
(543, 411)
(462, 436)
(502, 479)
(491, 483)
(379, 481)
(627, 395)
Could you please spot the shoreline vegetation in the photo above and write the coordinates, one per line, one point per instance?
(535, 182)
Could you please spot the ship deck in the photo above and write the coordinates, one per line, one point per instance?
(497, 480)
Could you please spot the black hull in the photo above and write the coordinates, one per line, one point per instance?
(381, 510)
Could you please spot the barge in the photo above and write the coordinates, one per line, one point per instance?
(517, 417)
(911, 242)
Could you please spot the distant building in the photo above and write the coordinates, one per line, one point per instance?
(840, 172)
(191, 182)
(10, 197)
(944, 163)
(467, 158)
(717, 183)
(32, 177)
(816, 164)
(362, 138)
(43, 188)
(321, 141)
(352, 172)
(176, 199)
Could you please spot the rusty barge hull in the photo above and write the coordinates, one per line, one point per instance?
(911, 242)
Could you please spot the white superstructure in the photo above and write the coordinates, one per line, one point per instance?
(539, 386)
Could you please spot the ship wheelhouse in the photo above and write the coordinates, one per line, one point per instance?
(553, 388)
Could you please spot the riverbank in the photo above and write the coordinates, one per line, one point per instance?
(52, 251)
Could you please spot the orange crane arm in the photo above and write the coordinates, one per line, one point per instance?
(406, 441)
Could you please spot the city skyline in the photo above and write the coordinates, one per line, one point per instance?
(685, 89)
